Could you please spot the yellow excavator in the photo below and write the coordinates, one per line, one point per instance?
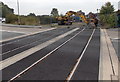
(67, 19)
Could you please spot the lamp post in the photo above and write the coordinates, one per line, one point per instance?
(97, 10)
(18, 12)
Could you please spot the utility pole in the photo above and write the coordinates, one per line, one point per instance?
(18, 12)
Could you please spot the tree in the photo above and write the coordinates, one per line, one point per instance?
(31, 14)
(107, 9)
(5, 10)
(107, 15)
(54, 12)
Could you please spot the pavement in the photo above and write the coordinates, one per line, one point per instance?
(108, 59)
(115, 39)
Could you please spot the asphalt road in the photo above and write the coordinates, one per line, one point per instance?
(88, 68)
(59, 64)
(16, 46)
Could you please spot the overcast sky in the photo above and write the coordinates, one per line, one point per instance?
(40, 7)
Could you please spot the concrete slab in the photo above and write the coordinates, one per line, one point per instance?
(105, 69)
(113, 54)
(115, 39)
(6, 35)
(108, 58)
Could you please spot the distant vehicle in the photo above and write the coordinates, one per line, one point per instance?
(2, 20)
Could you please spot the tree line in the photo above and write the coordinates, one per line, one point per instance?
(30, 19)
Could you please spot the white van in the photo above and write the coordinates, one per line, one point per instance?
(2, 20)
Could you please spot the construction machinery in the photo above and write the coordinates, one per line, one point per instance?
(67, 18)
(93, 19)
(64, 20)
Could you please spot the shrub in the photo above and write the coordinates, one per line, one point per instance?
(11, 18)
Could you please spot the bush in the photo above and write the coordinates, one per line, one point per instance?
(109, 19)
(24, 20)
(11, 18)
(29, 20)
(46, 19)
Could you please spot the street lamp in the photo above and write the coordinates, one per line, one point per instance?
(18, 12)
(98, 11)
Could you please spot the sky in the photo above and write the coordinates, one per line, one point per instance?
(44, 7)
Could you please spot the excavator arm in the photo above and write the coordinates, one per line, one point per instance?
(66, 20)
(79, 14)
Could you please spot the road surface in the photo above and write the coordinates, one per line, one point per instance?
(59, 54)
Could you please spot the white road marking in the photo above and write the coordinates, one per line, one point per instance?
(11, 60)
(44, 56)
(20, 47)
(22, 36)
(79, 59)
(116, 38)
(15, 31)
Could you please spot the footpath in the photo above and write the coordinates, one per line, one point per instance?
(109, 57)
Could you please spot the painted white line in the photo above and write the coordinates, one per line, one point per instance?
(15, 31)
(11, 60)
(22, 36)
(79, 59)
(24, 26)
(44, 56)
(21, 46)
(116, 38)
(26, 35)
